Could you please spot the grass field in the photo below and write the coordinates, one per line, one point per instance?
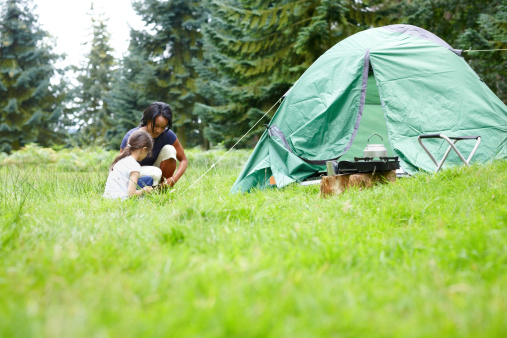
(426, 256)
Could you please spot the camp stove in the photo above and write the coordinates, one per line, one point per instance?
(365, 165)
(375, 159)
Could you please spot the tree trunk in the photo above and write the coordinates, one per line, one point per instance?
(182, 136)
(203, 140)
(337, 184)
(16, 145)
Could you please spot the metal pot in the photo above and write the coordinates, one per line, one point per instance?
(375, 150)
(332, 168)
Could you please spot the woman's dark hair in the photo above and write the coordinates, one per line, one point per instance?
(153, 111)
(137, 140)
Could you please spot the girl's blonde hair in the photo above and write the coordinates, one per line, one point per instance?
(139, 139)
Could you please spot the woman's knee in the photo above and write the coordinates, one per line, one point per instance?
(167, 152)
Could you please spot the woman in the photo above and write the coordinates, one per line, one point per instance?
(161, 165)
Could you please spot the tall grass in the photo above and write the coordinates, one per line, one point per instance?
(426, 256)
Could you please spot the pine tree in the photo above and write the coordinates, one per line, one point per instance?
(170, 45)
(29, 102)
(89, 108)
(256, 50)
(128, 96)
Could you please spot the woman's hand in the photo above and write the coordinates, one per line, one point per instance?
(170, 182)
(147, 189)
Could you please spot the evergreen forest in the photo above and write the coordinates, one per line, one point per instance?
(220, 64)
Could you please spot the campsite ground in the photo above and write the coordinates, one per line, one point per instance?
(426, 256)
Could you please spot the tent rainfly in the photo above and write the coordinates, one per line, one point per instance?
(399, 81)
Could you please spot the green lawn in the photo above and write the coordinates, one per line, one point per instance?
(426, 256)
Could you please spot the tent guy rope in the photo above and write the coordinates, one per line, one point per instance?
(483, 50)
(242, 137)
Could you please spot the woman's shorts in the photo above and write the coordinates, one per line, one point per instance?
(154, 171)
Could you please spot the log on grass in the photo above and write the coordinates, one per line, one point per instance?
(332, 185)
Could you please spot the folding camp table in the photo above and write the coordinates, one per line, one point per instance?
(451, 146)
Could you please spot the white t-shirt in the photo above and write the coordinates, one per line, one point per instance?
(118, 180)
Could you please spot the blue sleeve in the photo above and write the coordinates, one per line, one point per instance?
(125, 139)
(170, 137)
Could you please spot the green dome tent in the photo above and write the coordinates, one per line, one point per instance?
(399, 81)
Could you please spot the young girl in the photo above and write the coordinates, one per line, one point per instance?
(125, 169)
